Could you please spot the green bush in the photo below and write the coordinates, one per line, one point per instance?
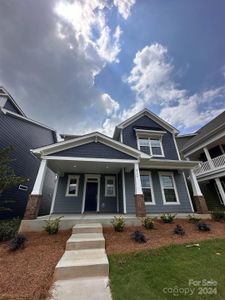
(118, 224)
(218, 215)
(148, 223)
(8, 229)
(167, 218)
(52, 225)
(193, 218)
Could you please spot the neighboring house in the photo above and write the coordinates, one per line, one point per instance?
(23, 134)
(139, 171)
(208, 146)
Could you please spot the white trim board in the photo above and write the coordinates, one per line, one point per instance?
(89, 159)
(151, 115)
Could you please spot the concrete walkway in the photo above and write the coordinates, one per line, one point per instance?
(82, 272)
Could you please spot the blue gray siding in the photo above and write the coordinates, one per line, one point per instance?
(159, 207)
(129, 136)
(71, 205)
(23, 136)
(96, 150)
(11, 107)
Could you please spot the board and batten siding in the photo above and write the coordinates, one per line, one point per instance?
(129, 136)
(159, 207)
(23, 136)
(95, 150)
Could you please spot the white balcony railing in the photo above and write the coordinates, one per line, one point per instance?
(215, 164)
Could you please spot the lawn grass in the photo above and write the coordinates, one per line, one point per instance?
(144, 275)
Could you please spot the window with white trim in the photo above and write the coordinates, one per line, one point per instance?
(152, 146)
(146, 184)
(110, 186)
(168, 187)
(72, 185)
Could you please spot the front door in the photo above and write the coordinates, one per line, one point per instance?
(91, 196)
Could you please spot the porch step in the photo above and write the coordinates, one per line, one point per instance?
(87, 228)
(80, 241)
(82, 263)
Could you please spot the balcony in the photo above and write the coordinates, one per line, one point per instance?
(215, 164)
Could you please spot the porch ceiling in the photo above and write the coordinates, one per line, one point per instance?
(73, 166)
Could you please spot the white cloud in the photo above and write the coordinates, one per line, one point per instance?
(151, 78)
(110, 105)
(124, 7)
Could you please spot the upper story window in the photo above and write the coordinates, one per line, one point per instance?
(151, 146)
(110, 186)
(72, 186)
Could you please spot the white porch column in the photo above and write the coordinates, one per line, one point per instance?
(38, 185)
(207, 154)
(194, 183)
(137, 180)
(221, 189)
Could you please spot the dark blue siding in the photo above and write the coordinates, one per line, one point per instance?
(23, 136)
(129, 136)
(11, 107)
(159, 207)
(95, 150)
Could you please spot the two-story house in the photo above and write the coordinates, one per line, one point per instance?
(23, 133)
(208, 146)
(138, 171)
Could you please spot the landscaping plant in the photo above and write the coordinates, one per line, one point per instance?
(8, 229)
(202, 226)
(52, 226)
(148, 223)
(218, 215)
(138, 236)
(167, 218)
(193, 218)
(179, 230)
(18, 242)
(118, 224)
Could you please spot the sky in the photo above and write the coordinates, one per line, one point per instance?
(87, 65)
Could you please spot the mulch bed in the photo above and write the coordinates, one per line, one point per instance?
(27, 273)
(121, 242)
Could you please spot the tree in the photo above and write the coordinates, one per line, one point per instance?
(8, 178)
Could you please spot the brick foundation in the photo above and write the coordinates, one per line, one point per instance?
(200, 204)
(140, 205)
(32, 208)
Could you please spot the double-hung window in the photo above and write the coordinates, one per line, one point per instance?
(146, 183)
(152, 146)
(72, 185)
(168, 187)
(110, 186)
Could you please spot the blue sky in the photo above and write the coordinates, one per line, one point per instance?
(80, 66)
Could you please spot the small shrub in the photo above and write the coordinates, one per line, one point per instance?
(148, 223)
(193, 218)
(52, 226)
(218, 215)
(167, 218)
(202, 226)
(118, 224)
(138, 236)
(18, 242)
(179, 230)
(8, 229)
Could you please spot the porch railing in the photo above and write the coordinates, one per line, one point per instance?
(215, 163)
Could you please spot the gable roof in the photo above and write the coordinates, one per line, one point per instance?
(205, 131)
(151, 115)
(4, 92)
(94, 136)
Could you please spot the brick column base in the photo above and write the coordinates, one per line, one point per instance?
(200, 204)
(140, 205)
(32, 208)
